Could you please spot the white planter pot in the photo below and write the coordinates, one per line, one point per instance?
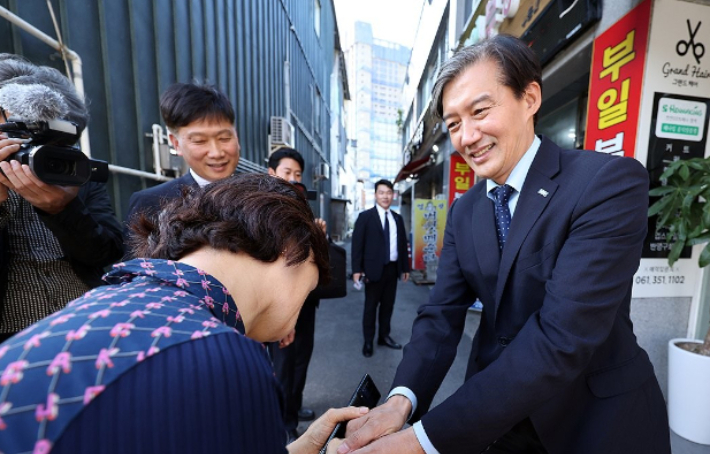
(689, 393)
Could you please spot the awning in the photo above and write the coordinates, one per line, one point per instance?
(412, 168)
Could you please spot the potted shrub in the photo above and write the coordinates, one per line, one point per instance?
(683, 211)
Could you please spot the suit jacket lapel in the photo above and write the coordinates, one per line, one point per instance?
(537, 192)
(175, 190)
(483, 230)
(188, 180)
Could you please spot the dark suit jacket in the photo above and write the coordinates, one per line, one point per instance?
(555, 342)
(148, 201)
(368, 244)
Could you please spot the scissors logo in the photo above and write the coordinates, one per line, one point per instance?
(682, 47)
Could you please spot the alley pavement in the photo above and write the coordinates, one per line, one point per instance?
(338, 364)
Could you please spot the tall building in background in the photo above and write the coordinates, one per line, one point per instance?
(377, 70)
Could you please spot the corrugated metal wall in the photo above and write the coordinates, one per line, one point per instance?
(133, 49)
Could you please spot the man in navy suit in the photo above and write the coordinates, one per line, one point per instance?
(379, 257)
(549, 241)
(200, 121)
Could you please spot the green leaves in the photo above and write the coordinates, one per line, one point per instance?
(682, 209)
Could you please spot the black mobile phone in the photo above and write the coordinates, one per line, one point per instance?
(366, 395)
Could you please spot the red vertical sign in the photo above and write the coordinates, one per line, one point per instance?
(615, 84)
(460, 177)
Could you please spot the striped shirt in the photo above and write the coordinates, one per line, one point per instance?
(40, 278)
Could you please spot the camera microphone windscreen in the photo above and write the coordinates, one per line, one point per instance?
(33, 102)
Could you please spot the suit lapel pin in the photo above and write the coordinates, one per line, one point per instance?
(542, 192)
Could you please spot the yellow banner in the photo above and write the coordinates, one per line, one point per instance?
(428, 222)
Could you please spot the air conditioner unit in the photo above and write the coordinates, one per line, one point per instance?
(280, 134)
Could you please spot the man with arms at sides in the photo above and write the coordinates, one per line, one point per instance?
(200, 121)
(549, 242)
(54, 240)
(379, 257)
(291, 362)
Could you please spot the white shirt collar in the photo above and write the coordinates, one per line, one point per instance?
(199, 180)
(381, 211)
(516, 179)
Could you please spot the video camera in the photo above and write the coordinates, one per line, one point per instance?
(49, 161)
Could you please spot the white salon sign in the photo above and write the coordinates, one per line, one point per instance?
(673, 125)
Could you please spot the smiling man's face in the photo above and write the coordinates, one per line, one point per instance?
(209, 146)
(488, 125)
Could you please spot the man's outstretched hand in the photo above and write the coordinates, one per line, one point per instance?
(380, 427)
(402, 442)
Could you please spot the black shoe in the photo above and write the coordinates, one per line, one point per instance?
(367, 349)
(306, 414)
(291, 436)
(388, 342)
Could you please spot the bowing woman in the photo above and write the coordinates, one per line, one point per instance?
(169, 356)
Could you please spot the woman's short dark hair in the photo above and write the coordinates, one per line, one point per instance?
(519, 66)
(256, 214)
(182, 104)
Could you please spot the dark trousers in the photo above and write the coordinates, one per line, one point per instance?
(291, 363)
(521, 439)
(381, 293)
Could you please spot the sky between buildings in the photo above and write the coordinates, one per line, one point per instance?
(392, 20)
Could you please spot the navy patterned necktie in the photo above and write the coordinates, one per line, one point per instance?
(501, 195)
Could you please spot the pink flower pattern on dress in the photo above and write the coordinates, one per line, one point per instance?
(155, 305)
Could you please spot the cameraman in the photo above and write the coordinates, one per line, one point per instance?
(54, 240)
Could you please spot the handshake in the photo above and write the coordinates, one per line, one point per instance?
(364, 428)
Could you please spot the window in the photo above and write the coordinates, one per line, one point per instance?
(316, 17)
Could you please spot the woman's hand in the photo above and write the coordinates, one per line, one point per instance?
(318, 432)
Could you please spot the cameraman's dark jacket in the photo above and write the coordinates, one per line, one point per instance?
(87, 230)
